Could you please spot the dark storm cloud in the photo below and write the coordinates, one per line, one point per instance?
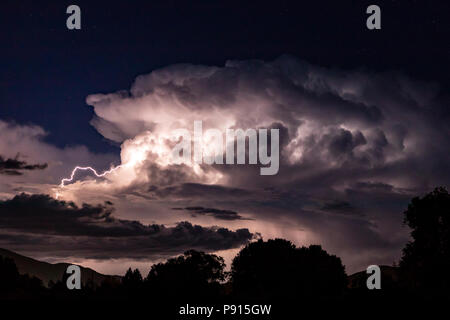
(44, 224)
(14, 167)
(213, 212)
(373, 186)
(199, 190)
(343, 142)
(341, 207)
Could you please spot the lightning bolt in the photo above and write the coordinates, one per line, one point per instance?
(74, 171)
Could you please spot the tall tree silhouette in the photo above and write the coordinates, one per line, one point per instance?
(277, 268)
(194, 274)
(425, 263)
(15, 285)
(9, 276)
(132, 278)
(132, 283)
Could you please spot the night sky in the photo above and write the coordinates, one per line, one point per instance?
(363, 117)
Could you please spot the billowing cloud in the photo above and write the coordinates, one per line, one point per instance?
(375, 124)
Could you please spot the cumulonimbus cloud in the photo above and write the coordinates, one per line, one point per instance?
(329, 119)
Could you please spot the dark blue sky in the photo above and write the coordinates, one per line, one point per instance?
(46, 71)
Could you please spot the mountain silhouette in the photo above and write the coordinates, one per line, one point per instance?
(54, 272)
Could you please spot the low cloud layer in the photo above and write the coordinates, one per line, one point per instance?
(46, 226)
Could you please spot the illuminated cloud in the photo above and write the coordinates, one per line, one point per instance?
(329, 120)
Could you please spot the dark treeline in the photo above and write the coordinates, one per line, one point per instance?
(273, 269)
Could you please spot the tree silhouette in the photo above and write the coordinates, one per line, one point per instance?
(194, 274)
(132, 278)
(426, 259)
(132, 283)
(277, 268)
(9, 276)
(15, 285)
